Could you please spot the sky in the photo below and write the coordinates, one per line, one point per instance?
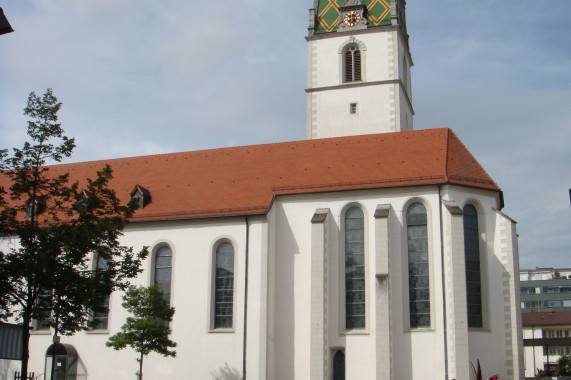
(139, 77)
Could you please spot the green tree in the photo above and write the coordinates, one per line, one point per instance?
(55, 229)
(564, 363)
(147, 330)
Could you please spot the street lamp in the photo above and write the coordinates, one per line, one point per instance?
(4, 24)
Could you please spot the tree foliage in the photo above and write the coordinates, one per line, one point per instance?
(564, 364)
(51, 229)
(147, 330)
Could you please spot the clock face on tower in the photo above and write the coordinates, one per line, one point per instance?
(352, 18)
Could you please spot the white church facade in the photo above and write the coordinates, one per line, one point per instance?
(367, 251)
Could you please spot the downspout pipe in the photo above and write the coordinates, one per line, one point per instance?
(246, 297)
(443, 283)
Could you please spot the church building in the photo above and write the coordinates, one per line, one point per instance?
(369, 251)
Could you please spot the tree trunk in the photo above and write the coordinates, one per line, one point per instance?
(25, 346)
(141, 367)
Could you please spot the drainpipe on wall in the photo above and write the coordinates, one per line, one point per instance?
(443, 282)
(245, 299)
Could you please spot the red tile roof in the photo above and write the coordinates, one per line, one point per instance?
(554, 318)
(244, 180)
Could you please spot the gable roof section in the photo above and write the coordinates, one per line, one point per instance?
(548, 318)
(244, 180)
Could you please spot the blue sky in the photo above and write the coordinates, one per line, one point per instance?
(146, 77)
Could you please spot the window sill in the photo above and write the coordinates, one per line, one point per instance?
(221, 331)
(98, 332)
(352, 82)
(479, 329)
(357, 332)
(419, 329)
(41, 332)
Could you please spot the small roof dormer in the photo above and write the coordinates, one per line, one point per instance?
(85, 194)
(35, 207)
(142, 195)
(83, 203)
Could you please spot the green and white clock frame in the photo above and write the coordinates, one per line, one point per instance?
(352, 16)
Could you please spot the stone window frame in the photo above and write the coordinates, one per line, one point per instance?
(485, 291)
(345, 46)
(152, 281)
(342, 290)
(212, 328)
(405, 279)
(96, 329)
(214, 288)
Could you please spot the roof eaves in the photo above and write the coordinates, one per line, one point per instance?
(447, 154)
(476, 162)
(199, 214)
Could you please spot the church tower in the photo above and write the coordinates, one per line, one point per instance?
(358, 68)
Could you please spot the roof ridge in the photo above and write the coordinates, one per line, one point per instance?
(341, 139)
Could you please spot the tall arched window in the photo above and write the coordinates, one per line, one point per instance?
(101, 318)
(472, 258)
(224, 286)
(163, 271)
(352, 62)
(354, 269)
(339, 366)
(418, 269)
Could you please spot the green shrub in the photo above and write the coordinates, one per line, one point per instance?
(564, 365)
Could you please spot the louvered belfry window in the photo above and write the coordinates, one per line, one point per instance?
(353, 64)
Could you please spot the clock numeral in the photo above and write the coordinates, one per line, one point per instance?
(352, 18)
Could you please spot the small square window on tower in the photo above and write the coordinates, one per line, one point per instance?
(352, 108)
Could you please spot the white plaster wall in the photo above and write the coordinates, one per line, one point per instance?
(279, 297)
(201, 353)
(258, 312)
(495, 326)
(374, 105)
(418, 354)
(375, 58)
(404, 112)
(533, 356)
(382, 105)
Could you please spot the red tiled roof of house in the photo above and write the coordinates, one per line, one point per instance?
(244, 180)
(547, 318)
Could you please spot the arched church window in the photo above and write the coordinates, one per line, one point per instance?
(224, 286)
(101, 318)
(352, 64)
(354, 269)
(472, 258)
(339, 365)
(163, 271)
(418, 269)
